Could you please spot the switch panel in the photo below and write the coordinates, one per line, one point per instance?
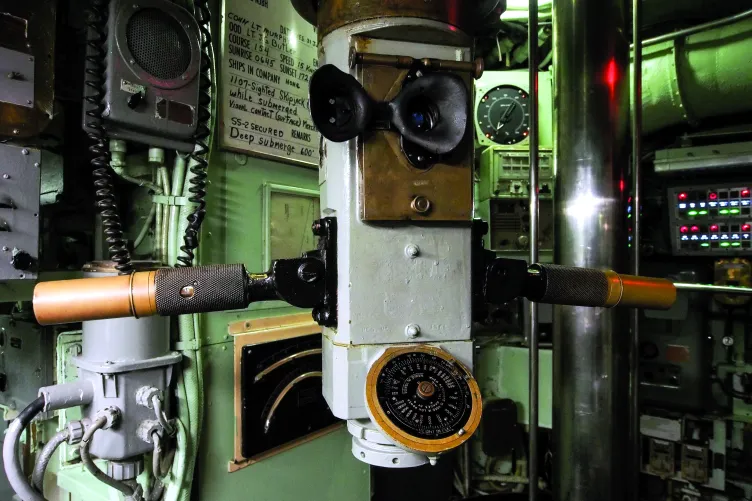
(711, 220)
(19, 212)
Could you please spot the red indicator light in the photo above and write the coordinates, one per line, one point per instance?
(713, 227)
(682, 196)
(745, 193)
(713, 196)
(684, 229)
(695, 229)
(746, 227)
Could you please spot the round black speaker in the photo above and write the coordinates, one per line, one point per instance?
(159, 42)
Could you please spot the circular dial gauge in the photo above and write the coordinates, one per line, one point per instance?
(423, 398)
(503, 115)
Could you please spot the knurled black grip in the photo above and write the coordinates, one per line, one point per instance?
(569, 286)
(200, 289)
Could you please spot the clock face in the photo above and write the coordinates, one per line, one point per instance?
(503, 114)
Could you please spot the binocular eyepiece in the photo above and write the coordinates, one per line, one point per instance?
(431, 110)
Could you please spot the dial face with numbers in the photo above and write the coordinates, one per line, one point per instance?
(503, 115)
(423, 398)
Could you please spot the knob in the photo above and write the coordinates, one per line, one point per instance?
(21, 260)
(523, 241)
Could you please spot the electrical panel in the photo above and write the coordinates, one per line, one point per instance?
(26, 360)
(711, 220)
(20, 174)
(686, 449)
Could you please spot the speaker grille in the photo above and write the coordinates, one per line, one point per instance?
(158, 44)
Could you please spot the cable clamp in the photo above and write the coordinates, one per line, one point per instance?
(174, 201)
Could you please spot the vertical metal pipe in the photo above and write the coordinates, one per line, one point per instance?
(636, 115)
(591, 390)
(532, 324)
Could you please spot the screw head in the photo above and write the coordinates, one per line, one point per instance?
(412, 331)
(412, 251)
(28, 101)
(727, 341)
(24, 151)
(6, 176)
(36, 164)
(132, 61)
(317, 228)
(16, 131)
(184, 77)
(5, 249)
(420, 204)
(187, 292)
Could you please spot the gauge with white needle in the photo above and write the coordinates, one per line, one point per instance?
(503, 115)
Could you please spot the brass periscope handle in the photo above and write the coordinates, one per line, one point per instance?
(565, 285)
(167, 291)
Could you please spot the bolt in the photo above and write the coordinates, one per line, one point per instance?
(728, 341)
(132, 61)
(317, 228)
(16, 131)
(36, 164)
(412, 331)
(31, 59)
(5, 248)
(461, 432)
(320, 315)
(187, 292)
(6, 176)
(28, 101)
(308, 273)
(412, 251)
(420, 204)
(24, 151)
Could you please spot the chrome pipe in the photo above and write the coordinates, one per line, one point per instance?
(532, 324)
(590, 366)
(714, 289)
(718, 23)
(634, 348)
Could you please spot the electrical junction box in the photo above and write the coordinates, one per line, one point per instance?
(20, 177)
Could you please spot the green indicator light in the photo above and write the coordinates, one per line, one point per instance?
(629, 216)
(705, 244)
(723, 211)
(629, 245)
(736, 244)
(703, 212)
(734, 211)
(692, 213)
(725, 244)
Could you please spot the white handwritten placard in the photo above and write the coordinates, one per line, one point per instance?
(268, 55)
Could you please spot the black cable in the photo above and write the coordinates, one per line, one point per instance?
(100, 162)
(199, 155)
(13, 469)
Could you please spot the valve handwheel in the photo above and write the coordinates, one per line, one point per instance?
(423, 398)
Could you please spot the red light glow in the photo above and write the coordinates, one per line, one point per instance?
(713, 196)
(612, 75)
(682, 196)
(746, 227)
(694, 229)
(713, 227)
(745, 193)
(684, 229)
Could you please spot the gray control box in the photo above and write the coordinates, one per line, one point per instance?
(20, 169)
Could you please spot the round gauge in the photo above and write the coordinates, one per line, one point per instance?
(503, 115)
(423, 398)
